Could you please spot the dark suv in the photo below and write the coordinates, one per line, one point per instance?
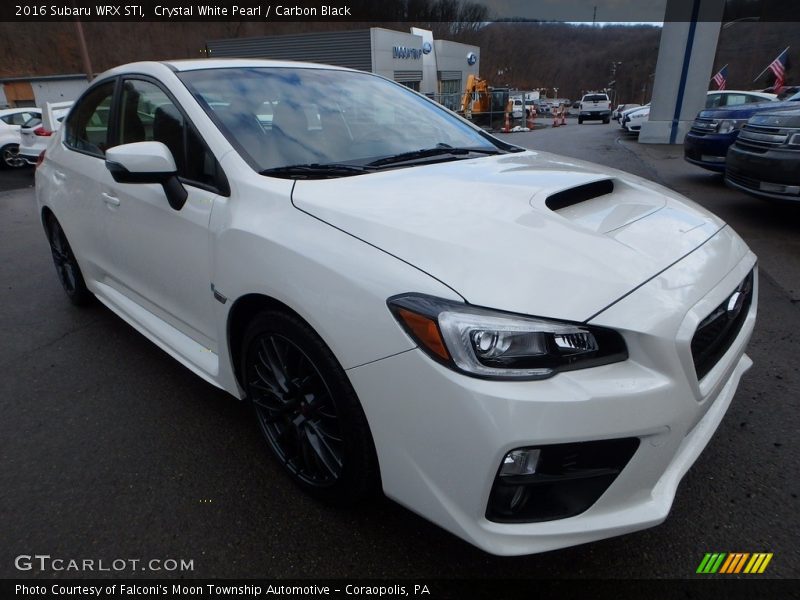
(765, 160)
(715, 129)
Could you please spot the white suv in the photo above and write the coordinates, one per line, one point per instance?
(595, 107)
(527, 354)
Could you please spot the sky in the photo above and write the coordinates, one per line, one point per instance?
(608, 11)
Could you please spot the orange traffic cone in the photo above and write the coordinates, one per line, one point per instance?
(507, 124)
(531, 119)
(556, 122)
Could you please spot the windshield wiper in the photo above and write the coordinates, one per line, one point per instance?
(439, 150)
(316, 171)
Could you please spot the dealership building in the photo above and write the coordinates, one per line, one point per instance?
(414, 59)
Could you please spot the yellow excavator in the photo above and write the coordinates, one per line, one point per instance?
(477, 97)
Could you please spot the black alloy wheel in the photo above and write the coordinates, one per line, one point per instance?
(10, 157)
(307, 410)
(67, 269)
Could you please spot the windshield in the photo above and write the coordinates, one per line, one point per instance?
(280, 117)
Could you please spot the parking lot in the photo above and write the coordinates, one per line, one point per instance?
(111, 449)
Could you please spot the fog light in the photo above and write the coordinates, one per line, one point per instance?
(555, 481)
(520, 462)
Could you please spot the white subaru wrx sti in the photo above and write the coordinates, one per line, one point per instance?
(527, 350)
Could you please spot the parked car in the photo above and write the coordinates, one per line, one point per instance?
(622, 108)
(715, 130)
(764, 161)
(542, 107)
(595, 107)
(574, 110)
(36, 132)
(530, 107)
(631, 120)
(721, 98)
(379, 327)
(11, 119)
(714, 99)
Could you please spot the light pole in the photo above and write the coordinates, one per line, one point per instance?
(614, 88)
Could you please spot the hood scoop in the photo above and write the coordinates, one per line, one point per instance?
(581, 193)
(603, 205)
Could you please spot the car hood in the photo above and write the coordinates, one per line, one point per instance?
(743, 111)
(497, 231)
(779, 118)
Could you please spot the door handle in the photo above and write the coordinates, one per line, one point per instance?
(59, 175)
(110, 200)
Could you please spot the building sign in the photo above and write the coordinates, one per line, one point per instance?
(472, 58)
(426, 48)
(406, 52)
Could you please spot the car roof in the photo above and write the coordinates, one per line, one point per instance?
(12, 111)
(780, 112)
(232, 63)
(764, 95)
(153, 67)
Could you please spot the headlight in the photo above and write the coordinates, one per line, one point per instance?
(497, 345)
(728, 125)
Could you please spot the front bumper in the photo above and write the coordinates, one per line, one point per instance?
(773, 174)
(440, 436)
(595, 115)
(707, 151)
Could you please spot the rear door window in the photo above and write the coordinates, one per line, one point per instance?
(735, 99)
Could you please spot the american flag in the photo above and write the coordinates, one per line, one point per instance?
(778, 68)
(721, 77)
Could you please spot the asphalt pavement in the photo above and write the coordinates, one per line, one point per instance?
(110, 449)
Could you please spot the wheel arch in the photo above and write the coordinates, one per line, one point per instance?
(242, 311)
(45, 213)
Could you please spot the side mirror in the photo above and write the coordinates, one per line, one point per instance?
(147, 162)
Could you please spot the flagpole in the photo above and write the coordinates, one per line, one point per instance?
(719, 71)
(770, 62)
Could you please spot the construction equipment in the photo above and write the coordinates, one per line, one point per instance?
(477, 98)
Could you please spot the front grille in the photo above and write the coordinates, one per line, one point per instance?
(703, 126)
(743, 180)
(716, 332)
(760, 138)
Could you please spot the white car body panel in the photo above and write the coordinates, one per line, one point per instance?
(642, 260)
(32, 145)
(618, 239)
(644, 398)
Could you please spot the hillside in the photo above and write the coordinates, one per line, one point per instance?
(572, 58)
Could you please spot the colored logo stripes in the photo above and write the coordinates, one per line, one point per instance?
(734, 562)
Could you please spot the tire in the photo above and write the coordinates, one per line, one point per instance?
(606, 121)
(580, 121)
(307, 411)
(9, 157)
(67, 269)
